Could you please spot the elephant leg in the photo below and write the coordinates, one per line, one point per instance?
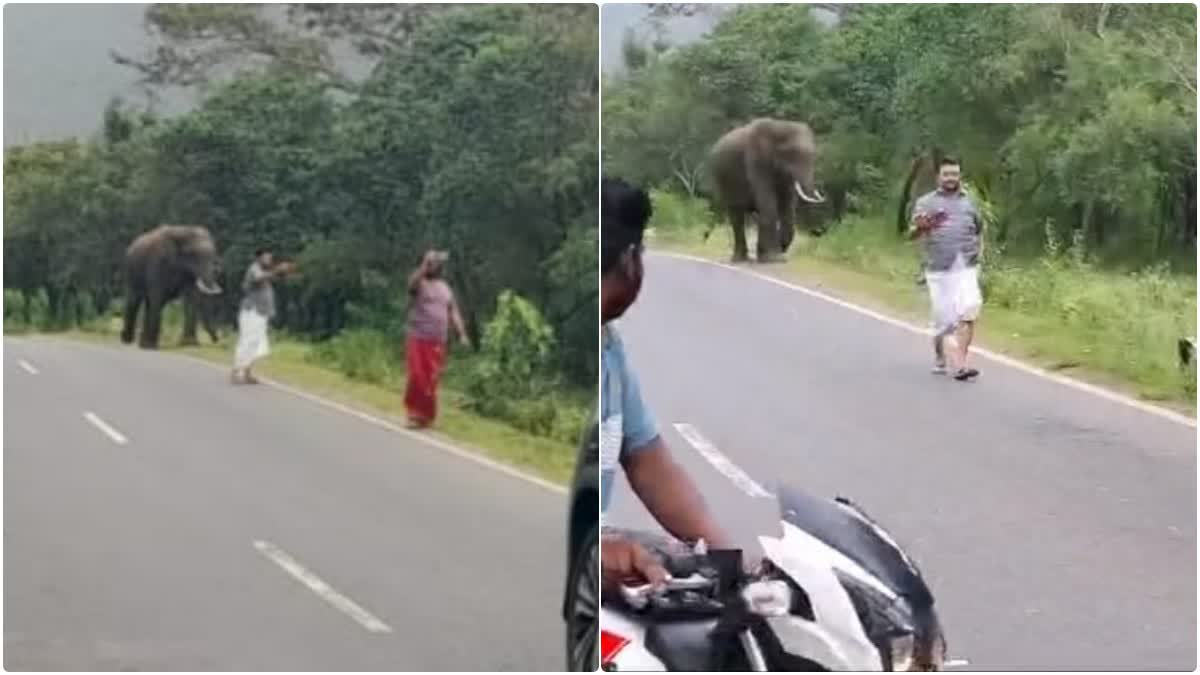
(208, 316)
(153, 322)
(787, 222)
(766, 203)
(189, 319)
(737, 220)
(133, 303)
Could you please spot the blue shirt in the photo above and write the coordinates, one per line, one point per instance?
(626, 425)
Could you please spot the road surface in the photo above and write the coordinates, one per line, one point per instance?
(156, 518)
(1056, 528)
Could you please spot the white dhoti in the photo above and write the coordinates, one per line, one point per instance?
(252, 342)
(954, 295)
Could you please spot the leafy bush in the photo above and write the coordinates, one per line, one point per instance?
(674, 211)
(14, 311)
(510, 377)
(362, 354)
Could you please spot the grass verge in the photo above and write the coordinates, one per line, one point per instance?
(291, 363)
(1114, 330)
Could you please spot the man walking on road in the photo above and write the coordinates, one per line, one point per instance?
(431, 310)
(255, 313)
(628, 434)
(949, 224)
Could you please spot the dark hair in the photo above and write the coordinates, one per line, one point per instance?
(624, 212)
(261, 250)
(949, 161)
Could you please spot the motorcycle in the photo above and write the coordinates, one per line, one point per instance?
(835, 592)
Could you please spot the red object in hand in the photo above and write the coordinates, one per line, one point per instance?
(928, 221)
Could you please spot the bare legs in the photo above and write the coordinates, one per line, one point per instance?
(960, 345)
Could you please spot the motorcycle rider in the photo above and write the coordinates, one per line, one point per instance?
(628, 434)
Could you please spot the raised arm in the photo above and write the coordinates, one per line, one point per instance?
(414, 279)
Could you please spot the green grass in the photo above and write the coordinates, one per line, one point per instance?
(1112, 329)
(297, 364)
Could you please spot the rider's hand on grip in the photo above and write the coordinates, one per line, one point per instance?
(623, 561)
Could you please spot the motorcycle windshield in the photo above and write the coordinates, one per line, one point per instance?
(844, 527)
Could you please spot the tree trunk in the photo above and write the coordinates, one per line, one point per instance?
(934, 158)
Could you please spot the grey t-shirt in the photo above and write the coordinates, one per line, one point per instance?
(958, 233)
(258, 294)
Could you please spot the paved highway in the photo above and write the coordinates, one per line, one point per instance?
(156, 518)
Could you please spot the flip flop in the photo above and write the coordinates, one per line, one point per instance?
(965, 374)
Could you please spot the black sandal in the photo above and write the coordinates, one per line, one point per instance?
(965, 374)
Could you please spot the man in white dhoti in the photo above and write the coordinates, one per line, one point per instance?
(255, 313)
(948, 223)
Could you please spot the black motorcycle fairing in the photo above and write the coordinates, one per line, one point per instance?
(858, 540)
(683, 645)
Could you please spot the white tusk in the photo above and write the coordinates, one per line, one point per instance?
(805, 197)
(206, 289)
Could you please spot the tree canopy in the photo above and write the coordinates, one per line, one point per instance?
(1083, 116)
(474, 129)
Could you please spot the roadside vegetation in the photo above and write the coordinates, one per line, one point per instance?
(1075, 125)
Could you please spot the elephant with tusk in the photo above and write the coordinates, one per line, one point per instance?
(169, 262)
(764, 168)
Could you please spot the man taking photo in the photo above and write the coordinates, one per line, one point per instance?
(948, 223)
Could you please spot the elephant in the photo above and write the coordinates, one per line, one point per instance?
(763, 168)
(169, 262)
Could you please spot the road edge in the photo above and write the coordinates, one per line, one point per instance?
(996, 357)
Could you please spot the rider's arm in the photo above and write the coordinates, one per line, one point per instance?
(670, 496)
(661, 484)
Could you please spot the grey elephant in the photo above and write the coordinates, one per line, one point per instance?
(166, 263)
(764, 168)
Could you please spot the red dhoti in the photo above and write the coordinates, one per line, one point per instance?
(425, 359)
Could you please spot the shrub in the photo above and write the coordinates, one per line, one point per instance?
(362, 354)
(510, 377)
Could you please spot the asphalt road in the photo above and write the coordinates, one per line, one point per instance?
(243, 528)
(1056, 528)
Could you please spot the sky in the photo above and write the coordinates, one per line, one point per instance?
(58, 74)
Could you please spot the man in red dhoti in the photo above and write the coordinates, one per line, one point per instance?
(431, 310)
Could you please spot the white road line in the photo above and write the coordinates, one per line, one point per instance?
(720, 462)
(423, 438)
(993, 356)
(322, 589)
(956, 663)
(27, 366)
(104, 426)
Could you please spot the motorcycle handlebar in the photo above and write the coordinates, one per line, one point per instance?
(638, 596)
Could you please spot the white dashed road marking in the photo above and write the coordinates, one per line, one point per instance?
(322, 589)
(720, 462)
(106, 428)
(27, 367)
(956, 663)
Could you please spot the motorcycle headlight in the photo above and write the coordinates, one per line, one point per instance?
(770, 597)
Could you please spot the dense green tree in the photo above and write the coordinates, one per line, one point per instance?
(474, 129)
(1082, 116)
